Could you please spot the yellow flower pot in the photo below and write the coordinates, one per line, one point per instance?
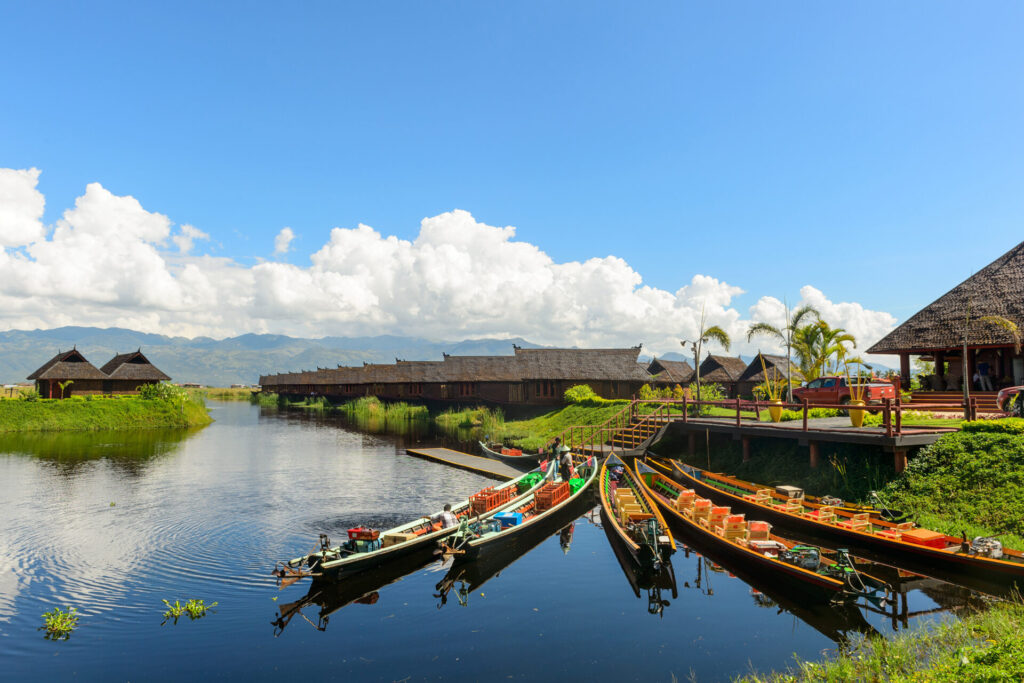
(775, 410)
(857, 414)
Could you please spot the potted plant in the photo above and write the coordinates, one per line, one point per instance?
(858, 387)
(772, 388)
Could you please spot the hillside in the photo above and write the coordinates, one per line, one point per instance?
(221, 362)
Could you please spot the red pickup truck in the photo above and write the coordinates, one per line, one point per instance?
(835, 390)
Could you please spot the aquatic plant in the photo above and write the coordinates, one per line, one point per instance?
(194, 609)
(59, 624)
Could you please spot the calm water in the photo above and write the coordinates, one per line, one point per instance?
(114, 523)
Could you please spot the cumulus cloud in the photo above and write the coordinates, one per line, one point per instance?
(283, 241)
(21, 207)
(186, 237)
(109, 261)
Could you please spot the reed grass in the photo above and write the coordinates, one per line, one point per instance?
(101, 413)
(372, 408)
(983, 646)
(226, 393)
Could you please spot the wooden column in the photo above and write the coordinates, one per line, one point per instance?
(692, 443)
(940, 370)
(905, 370)
(814, 454)
(746, 449)
(900, 459)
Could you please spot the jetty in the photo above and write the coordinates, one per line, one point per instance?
(489, 467)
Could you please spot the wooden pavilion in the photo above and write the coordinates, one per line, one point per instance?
(938, 331)
(70, 368)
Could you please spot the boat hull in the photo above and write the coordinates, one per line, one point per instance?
(984, 574)
(525, 462)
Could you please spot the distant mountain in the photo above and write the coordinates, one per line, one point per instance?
(237, 360)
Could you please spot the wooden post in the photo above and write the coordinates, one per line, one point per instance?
(804, 400)
(737, 412)
(940, 368)
(746, 449)
(692, 444)
(684, 412)
(899, 416)
(887, 417)
(814, 454)
(905, 369)
(900, 459)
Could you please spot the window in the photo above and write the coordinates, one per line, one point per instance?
(814, 384)
(830, 382)
(544, 388)
(467, 389)
(415, 389)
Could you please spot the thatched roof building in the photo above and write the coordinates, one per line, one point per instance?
(777, 366)
(938, 330)
(67, 365)
(724, 370)
(133, 367)
(670, 372)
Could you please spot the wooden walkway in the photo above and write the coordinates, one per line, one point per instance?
(489, 467)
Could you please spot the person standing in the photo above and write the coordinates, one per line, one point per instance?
(565, 463)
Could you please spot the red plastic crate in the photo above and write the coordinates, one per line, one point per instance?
(551, 495)
(363, 534)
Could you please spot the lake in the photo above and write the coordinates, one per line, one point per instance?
(115, 523)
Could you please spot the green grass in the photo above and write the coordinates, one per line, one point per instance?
(537, 432)
(983, 646)
(372, 408)
(225, 393)
(270, 400)
(77, 413)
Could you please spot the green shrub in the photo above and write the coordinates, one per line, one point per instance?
(31, 395)
(161, 391)
(708, 392)
(1006, 425)
(788, 415)
(582, 392)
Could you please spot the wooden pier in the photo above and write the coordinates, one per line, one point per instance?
(489, 467)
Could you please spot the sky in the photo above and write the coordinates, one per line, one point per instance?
(573, 173)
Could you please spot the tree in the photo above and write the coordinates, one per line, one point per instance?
(64, 385)
(705, 336)
(816, 343)
(832, 342)
(785, 336)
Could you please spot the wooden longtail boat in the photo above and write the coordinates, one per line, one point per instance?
(920, 550)
(752, 542)
(647, 579)
(522, 461)
(527, 512)
(419, 536)
(627, 510)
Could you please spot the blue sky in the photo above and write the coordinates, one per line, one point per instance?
(871, 150)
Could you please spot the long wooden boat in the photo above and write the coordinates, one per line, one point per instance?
(522, 461)
(752, 542)
(627, 510)
(642, 579)
(990, 567)
(419, 536)
(474, 537)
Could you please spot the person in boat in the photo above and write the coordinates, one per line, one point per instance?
(447, 518)
(553, 447)
(565, 467)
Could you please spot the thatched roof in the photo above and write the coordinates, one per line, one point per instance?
(133, 366)
(721, 369)
(997, 289)
(67, 365)
(777, 366)
(581, 364)
(671, 371)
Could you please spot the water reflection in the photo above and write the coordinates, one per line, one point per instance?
(128, 449)
(642, 579)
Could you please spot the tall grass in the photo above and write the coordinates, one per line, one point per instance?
(101, 412)
(983, 646)
(372, 408)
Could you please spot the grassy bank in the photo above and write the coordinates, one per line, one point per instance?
(78, 414)
(225, 393)
(985, 646)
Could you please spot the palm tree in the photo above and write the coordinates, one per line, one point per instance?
(832, 342)
(785, 336)
(805, 341)
(705, 336)
(64, 385)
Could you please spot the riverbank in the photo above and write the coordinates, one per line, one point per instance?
(983, 646)
(108, 412)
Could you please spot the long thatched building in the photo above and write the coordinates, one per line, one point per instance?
(971, 313)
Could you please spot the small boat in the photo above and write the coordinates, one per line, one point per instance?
(369, 549)
(511, 456)
(752, 542)
(503, 526)
(634, 518)
(983, 561)
(643, 579)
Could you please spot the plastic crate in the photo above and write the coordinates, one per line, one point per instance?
(551, 495)
(363, 534)
(509, 519)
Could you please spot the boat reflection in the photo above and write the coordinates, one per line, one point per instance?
(466, 577)
(331, 596)
(642, 579)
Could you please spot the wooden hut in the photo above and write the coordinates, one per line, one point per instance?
(778, 367)
(126, 372)
(68, 367)
(938, 331)
(669, 373)
(723, 370)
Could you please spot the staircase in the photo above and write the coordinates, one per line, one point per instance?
(628, 433)
(924, 400)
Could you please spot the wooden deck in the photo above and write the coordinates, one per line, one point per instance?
(488, 467)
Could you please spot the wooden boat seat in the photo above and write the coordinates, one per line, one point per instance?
(859, 522)
(793, 505)
(761, 497)
(826, 514)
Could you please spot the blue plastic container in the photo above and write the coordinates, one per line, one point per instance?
(508, 519)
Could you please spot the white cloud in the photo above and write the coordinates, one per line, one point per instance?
(108, 263)
(283, 240)
(186, 237)
(21, 207)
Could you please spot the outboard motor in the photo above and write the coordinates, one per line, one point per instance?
(986, 546)
(801, 556)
